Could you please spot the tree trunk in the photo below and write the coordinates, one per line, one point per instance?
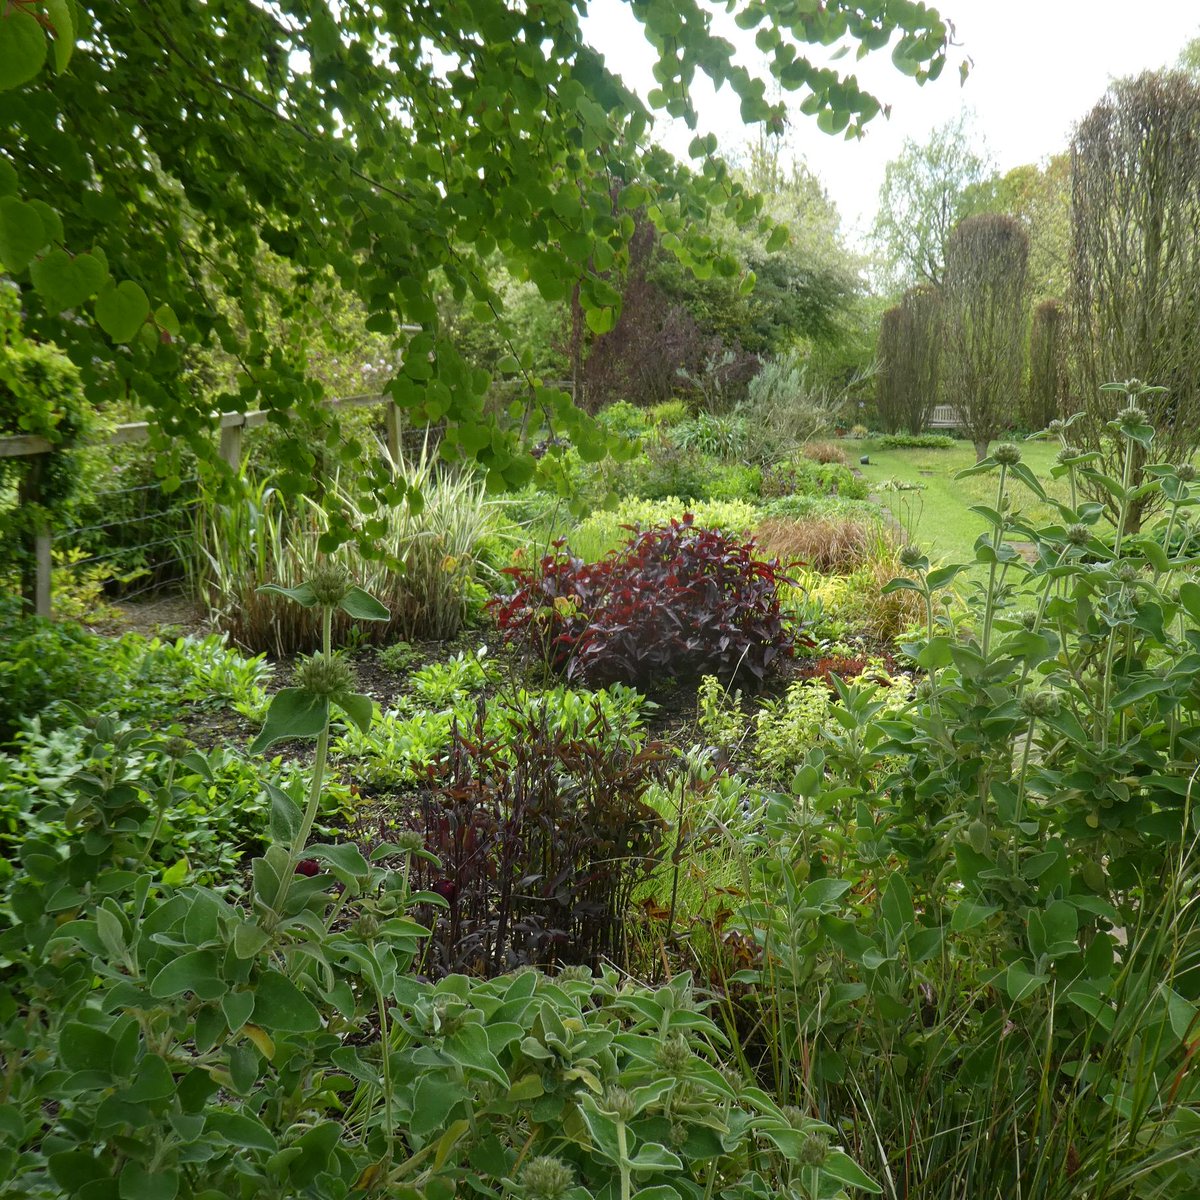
(981, 449)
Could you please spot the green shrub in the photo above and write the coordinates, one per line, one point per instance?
(624, 418)
(916, 441)
(668, 413)
(608, 529)
(801, 476)
(803, 508)
(443, 683)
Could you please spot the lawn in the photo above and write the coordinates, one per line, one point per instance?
(937, 516)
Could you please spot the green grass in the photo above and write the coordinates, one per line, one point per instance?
(937, 517)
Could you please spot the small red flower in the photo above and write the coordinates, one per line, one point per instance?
(446, 888)
(309, 867)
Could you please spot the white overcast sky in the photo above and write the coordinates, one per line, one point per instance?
(1037, 67)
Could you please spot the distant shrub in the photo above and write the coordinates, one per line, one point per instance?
(804, 477)
(824, 452)
(675, 601)
(734, 482)
(831, 545)
(609, 529)
(799, 508)
(723, 437)
(916, 441)
(624, 418)
(858, 432)
(669, 412)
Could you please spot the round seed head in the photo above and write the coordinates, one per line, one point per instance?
(323, 676)
(330, 582)
(1007, 454)
(546, 1178)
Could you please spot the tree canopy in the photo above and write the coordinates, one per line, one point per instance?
(148, 153)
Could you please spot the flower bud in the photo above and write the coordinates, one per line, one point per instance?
(409, 842)
(1079, 535)
(321, 676)
(546, 1178)
(815, 1150)
(1007, 454)
(673, 1055)
(330, 582)
(911, 556)
(620, 1103)
(1186, 472)
(1132, 417)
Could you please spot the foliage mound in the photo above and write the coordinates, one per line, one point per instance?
(830, 545)
(916, 441)
(676, 601)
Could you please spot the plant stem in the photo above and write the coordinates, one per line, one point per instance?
(997, 538)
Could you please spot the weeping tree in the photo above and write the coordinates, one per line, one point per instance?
(1135, 260)
(984, 299)
(1048, 387)
(922, 307)
(890, 357)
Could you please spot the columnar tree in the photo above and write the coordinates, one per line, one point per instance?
(890, 368)
(986, 261)
(1135, 259)
(922, 355)
(1048, 387)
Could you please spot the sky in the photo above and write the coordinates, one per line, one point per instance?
(1037, 67)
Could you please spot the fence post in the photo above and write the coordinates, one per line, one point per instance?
(392, 425)
(231, 441)
(43, 603)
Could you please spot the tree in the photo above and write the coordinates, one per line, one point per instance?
(1135, 260)
(1040, 198)
(1048, 388)
(389, 148)
(926, 191)
(922, 354)
(890, 368)
(986, 261)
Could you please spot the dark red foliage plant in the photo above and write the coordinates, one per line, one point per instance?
(541, 838)
(675, 601)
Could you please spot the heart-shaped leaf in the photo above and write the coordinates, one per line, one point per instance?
(122, 310)
(22, 233)
(66, 282)
(22, 47)
(359, 708)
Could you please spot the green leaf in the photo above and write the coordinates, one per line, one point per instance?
(237, 1007)
(22, 47)
(896, 905)
(969, 913)
(240, 1129)
(122, 310)
(139, 1184)
(303, 595)
(249, 939)
(346, 856)
(1020, 982)
(64, 282)
(280, 1006)
(359, 708)
(85, 1048)
(195, 972)
(286, 817)
(63, 20)
(362, 606)
(294, 713)
(840, 1166)
(22, 233)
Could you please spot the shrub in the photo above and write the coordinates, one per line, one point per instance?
(609, 529)
(858, 432)
(801, 508)
(813, 479)
(830, 545)
(624, 418)
(824, 452)
(723, 437)
(916, 441)
(783, 410)
(668, 413)
(676, 601)
(541, 837)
